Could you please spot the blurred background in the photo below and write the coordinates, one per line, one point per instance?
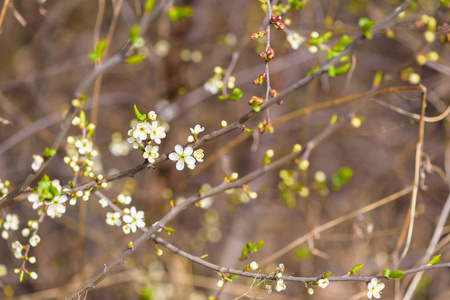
(42, 63)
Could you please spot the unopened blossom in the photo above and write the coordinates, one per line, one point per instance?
(34, 240)
(113, 218)
(151, 153)
(56, 207)
(37, 162)
(157, 132)
(141, 131)
(124, 199)
(213, 85)
(17, 248)
(254, 265)
(182, 156)
(152, 115)
(310, 291)
(199, 154)
(280, 285)
(3, 270)
(84, 146)
(11, 222)
(135, 219)
(323, 283)
(374, 287)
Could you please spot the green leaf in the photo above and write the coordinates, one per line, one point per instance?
(235, 95)
(100, 48)
(331, 71)
(366, 25)
(296, 4)
(148, 6)
(434, 260)
(139, 42)
(82, 117)
(255, 106)
(222, 97)
(140, 117)
(49, 152)
(342, 69)
(135, 59)
(386, 273)
(177, 13)
(135, 32)
(355, 269)
(169, 230)
(377, 78)
(70, 183)
(326, 274)
(396, 274)
(92, 56)
(312, 70)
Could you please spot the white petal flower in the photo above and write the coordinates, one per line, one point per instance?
(323, 283)
(182, 156)
(11, 222)
(280, 285)
(295, 40)
(113, 218)
(374, 288)
(197, 129)
(37, 162)
(142, 131)
(34, 198)
(17, 248)
(123, 199)
(157, 132)
(151, 153)
(213, 85)
(135, 219)
(254, 265)
(84, 146)
(56, 207)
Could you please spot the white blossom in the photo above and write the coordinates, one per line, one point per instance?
(135, 219)
(157, 132)
(141, 131)
(197, 129)
(37, 162)
(84, 146)
(182, 156)
(323, 283)
(295, 40)
(151, 153)
(374, 288)
(11, 222)
(57, 207)
(113, 218)
(280, 285)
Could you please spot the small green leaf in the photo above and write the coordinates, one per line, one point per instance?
(148, 6)
(396, 274)
(386, 273)
(342, 69)
(135, 59)
(355, 269)
(227, 279)
(249, 130)
(177, 13)
(331, 71)
(140, 117)
(377, 78)
(255, 106)
(135, 32)
(326, 274)
(235, 95)
(100, 48)
(366, 25)
(312, 70)
(82, 117)
(302, 253)
(169, 230)
(222, 97)
(204, 256)
(70, 183)
(92, 56)
(49, 152)
(296, 4)
(434, 260)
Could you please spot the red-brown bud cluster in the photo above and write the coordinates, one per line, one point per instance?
(276, 21)
(268, 55)
(265, 126)
(273, 93)
(257, 35)
(260, 79)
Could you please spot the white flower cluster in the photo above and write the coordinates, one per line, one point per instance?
(281, 286)
(81, 152)
(132, 218)
(295, 40)
(143, 133)
(55, 206)
(11, 223)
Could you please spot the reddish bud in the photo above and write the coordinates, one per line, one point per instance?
(260, 79)
(268, 55)
(258, 100)
(258, 34)
(276, 21)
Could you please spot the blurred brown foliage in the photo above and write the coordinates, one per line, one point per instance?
(42, 63)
